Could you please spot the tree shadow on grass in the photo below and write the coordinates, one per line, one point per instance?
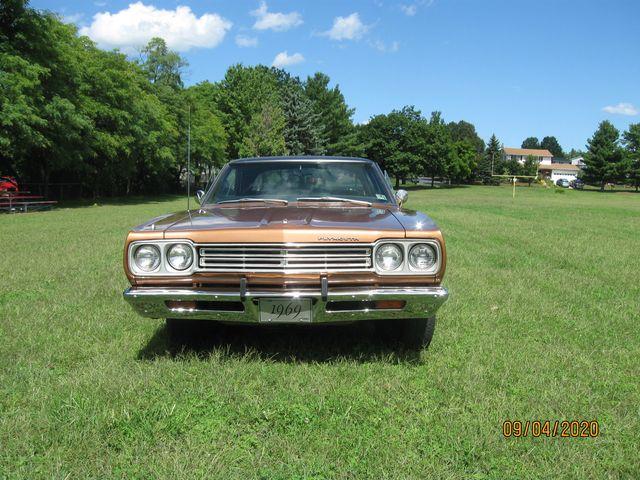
(359, 342)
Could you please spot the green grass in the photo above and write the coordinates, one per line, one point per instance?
(542, 323)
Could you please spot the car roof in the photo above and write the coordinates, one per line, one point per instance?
(300, 158)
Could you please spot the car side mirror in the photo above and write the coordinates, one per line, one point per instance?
(401, 197)
(200, 196)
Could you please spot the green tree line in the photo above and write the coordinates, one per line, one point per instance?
(71, 112)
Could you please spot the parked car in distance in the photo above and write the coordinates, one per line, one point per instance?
(8, 184)
(562, 182)
(576, 184)
(293, 240)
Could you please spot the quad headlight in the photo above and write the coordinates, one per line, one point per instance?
(407, 257)
(180, 256)
(422, 257)
(389, 257)
(147, 258)
(158, 258)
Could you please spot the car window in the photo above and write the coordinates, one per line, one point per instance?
(290, 180)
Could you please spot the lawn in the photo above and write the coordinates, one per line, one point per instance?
(542, 323)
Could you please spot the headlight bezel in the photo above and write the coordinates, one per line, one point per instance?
(165, 268)
(405, 268)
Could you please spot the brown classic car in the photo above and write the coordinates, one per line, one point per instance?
(299, 240)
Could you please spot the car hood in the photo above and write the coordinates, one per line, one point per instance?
(288, 224)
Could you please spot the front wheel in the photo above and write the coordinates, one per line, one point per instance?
(413, 333)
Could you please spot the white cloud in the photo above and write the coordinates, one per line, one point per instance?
(278, 22)
(621, 108)
(135, 25)
(347, 28)
(384, 48)
(246, 41)
(409, 10)
(283, 59)
(72, 17)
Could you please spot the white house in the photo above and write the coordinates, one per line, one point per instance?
(556, 171)
(544, 157)
(579, 161)
(546, 166)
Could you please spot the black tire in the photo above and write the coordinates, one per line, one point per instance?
(412, 333)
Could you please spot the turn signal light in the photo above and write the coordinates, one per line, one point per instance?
(390, 304)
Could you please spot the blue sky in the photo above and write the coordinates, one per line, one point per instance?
(512, 68)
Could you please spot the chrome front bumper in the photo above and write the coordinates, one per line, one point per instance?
(419, 302)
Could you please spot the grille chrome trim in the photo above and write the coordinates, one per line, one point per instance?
(285, 257)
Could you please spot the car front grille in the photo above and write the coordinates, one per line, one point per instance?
(286, 258)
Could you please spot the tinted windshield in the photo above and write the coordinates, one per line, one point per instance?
(291, 180)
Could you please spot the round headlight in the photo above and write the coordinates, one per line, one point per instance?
(422, 256)
(180, 256)
(147, 258)
(388, 257)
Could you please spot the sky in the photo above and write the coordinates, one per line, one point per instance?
(515, 68)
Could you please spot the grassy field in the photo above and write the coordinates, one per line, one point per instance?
(542, 323)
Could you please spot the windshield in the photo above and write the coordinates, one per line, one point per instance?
(301, 181)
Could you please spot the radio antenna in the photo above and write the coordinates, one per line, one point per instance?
(189, 161)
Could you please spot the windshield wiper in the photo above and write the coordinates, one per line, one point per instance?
(266, 200)
(334, 199)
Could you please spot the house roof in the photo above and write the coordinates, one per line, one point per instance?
(527, 151)
(558, 166)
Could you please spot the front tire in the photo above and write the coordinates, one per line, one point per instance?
(412, 333)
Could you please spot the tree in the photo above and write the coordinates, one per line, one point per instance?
(40, 58)
(162, 66)
(461, 162)
(244, 92)
(265, 133)
(631, 141)
(604, 156)
(531, 142)
(491, 163)
(512, 167)
(551, 144)
(208, 136)
(303, 131)
(393, 141)
(573, 153)
(381, 140)
(435, 147)
(530, 167)
(465, 131)
(333, 112)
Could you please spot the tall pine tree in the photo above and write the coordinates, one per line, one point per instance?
(302, 131)
(604, 156)
(491, 163)
(334, 114)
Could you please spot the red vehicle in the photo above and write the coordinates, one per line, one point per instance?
(8, 184)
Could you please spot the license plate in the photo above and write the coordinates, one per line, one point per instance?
(285, 311)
